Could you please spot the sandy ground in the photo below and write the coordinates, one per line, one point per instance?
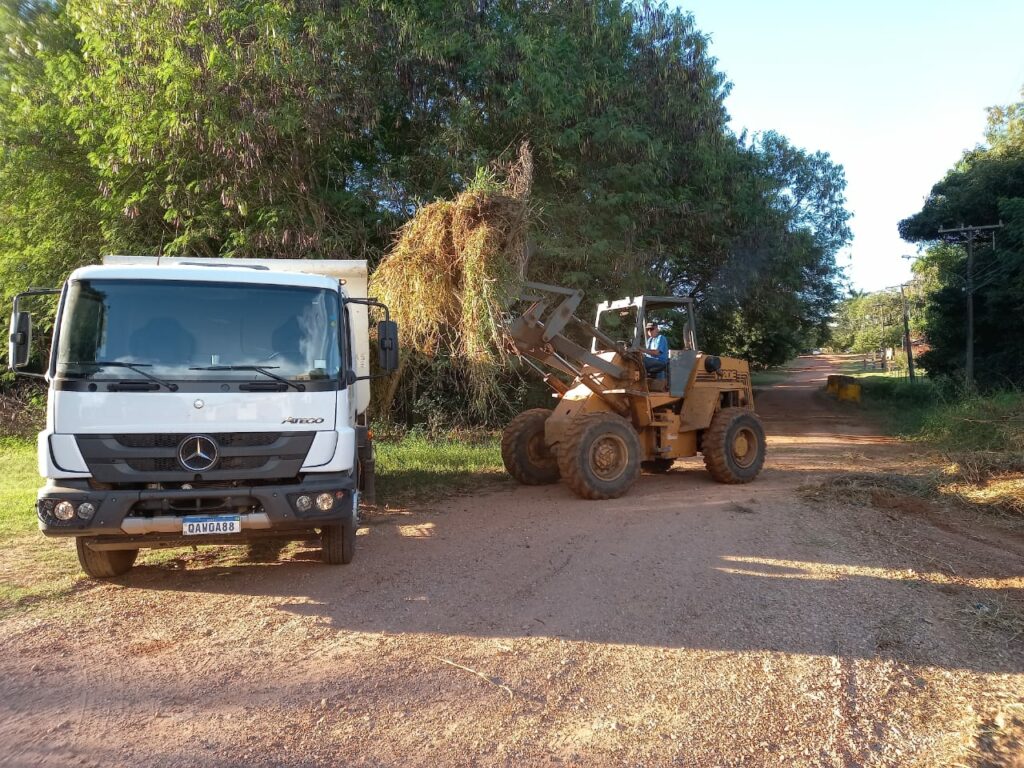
(687, 624)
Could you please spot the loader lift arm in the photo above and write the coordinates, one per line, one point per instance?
(538, 333)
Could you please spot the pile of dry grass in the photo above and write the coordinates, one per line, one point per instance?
(990, 480)
(978, 480)
(451, 276)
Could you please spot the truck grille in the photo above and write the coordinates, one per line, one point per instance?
(224, 439)
(172, 465)
(150, 458)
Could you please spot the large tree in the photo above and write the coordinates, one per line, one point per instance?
(774, 292)
(314, 128)
(985, 188)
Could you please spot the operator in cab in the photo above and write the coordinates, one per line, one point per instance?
(656, 360)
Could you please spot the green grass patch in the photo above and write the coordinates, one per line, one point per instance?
(768, 377)
(981, 439)
(948, 417)
(18, 484)
(777, 374)
(414, 468)
(34, 569)
(903, 407)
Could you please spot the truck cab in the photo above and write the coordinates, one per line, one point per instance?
(206, 401)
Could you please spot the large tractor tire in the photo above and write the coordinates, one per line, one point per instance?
(599, 457)
(525, 454)
(734, 446)
(104, 563)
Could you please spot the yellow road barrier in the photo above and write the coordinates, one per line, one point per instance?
(843, 388)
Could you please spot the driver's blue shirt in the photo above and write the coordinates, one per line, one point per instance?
(659, 343)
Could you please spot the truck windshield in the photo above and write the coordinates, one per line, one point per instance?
(197, 330)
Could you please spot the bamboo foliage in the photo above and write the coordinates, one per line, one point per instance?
(451, 276)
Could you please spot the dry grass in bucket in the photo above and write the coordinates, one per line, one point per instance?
(451, 276)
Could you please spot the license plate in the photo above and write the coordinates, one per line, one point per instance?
(213, 525)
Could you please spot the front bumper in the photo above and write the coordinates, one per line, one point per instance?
(158, 513)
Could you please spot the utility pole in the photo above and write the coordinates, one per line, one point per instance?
(906, 336)
(968, 234)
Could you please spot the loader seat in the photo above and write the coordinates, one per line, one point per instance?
(680, 368)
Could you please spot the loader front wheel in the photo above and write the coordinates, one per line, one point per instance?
(599, 457)
(525, 454)
(734, 446)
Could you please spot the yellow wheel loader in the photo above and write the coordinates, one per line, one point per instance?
(614, 417)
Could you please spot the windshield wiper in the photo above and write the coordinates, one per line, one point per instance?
(258, 368)
(130, 366)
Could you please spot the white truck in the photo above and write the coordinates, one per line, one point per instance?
(206, 401)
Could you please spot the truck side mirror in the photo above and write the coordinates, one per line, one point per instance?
(19, 347)
(387, 344)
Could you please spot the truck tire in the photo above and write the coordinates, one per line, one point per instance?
(524, 452)
(104, 563)
(338, 542)
(599, 457)
(734, 446)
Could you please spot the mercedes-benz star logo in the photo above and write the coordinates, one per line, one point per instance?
(197, 453)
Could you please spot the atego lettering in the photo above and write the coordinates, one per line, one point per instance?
(303, 420)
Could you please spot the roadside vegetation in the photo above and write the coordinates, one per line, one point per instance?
(975, 424)
(978, 439)
(413, 467)
(32, 568)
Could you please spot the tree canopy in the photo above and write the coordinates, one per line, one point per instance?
(986, 187)
(311, 128)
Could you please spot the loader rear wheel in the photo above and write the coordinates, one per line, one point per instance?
(525, 454)
(734, 446)
(599, 456)
(104, 563)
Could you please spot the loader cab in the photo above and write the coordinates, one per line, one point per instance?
(624, 320)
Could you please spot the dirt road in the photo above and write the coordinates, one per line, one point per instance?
(688, 624)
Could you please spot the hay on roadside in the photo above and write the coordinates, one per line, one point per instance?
(451, 276)
(859, 487)
(995, 488)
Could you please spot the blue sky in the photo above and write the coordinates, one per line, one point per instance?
(894, 91)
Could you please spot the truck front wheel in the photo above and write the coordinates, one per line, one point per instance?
(104, 563)
(338, 542)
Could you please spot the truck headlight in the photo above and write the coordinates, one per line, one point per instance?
(86, 510)
(324, 502)
(64, 510)
(303, 503)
